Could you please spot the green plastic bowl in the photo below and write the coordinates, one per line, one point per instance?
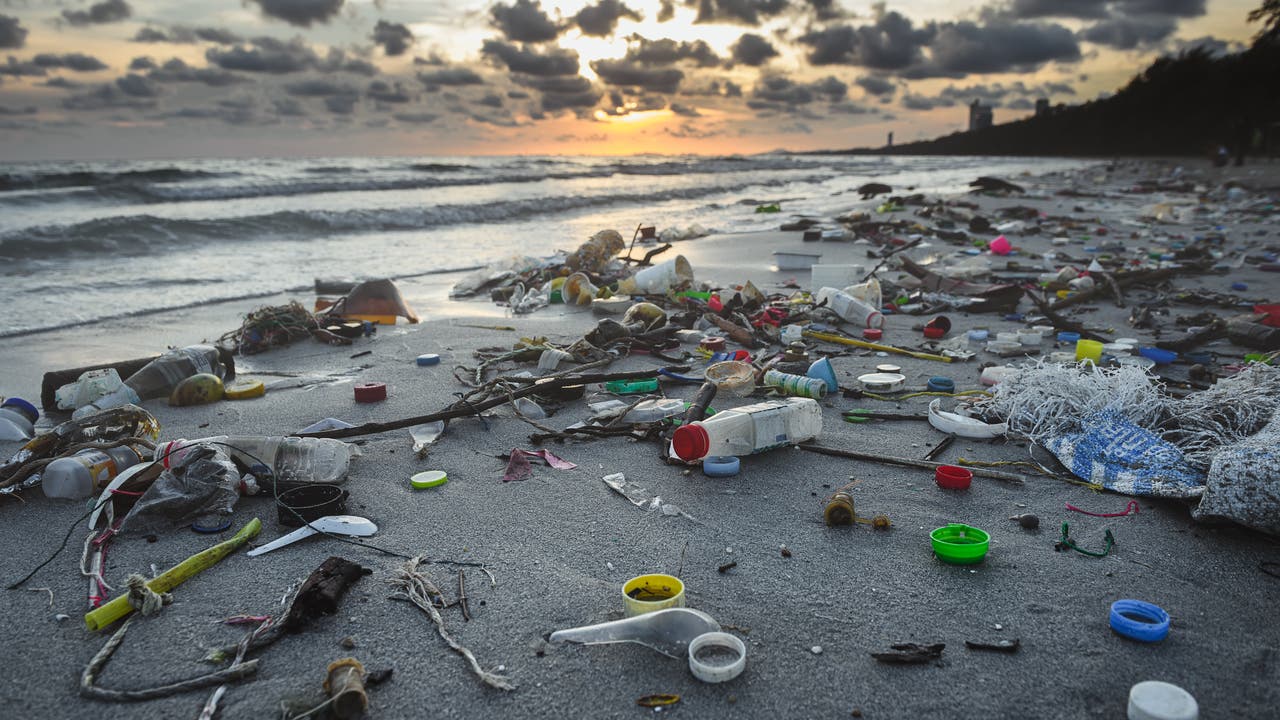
(959, 544)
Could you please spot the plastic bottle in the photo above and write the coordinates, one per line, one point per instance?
(159, 377)
(18, 419)
(287, 459)
(79, 476)
(851, 309)
(749, 429)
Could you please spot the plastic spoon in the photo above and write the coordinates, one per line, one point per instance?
(350, 525)
(668, 631)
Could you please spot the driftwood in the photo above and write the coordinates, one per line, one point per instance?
(905, 462)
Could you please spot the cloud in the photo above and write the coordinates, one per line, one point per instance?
(824, 10)
(1131, 32)
(142, 63)
(562, 92)
(890, 43)
(1207, 43)
(29, 110)
(106, 97)
(300, 12)
(666, 10)
(337, 61)
(62, 83)
(742, 12)
(921, 102)
(135, 85)
(384, 92)
(12, 34)
(491, 100)
(227, 113)
(530, 61)
(753, 50)
(998, 46)
(265, 55)
(848, 108)
(779, 92)
(394, 38)
(601, 19)
(175, 70)
(319, 87)
(415, 118)
(109, 11)
(876, 85)
(524, 21)
(518, 95)
(668, 52)
(1100, 9)
(684, 110)
(1012, 95)
(22, 68)
(627, 73)
(76, 62)
(451, 77)
(341, 104)
(182, 35)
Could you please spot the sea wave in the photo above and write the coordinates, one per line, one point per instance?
(11, 181)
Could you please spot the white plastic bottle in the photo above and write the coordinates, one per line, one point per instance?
(851, 309)
(749, 429)
(289, 459)
(18, 419)
(159, 377)
(81, 475)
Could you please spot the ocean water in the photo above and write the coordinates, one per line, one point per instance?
(82, 242)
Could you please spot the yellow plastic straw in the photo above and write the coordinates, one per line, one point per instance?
(841, 340)
(119, 607)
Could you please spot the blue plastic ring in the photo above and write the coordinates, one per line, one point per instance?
(1138, 620)
(726, 466)
(428, 359)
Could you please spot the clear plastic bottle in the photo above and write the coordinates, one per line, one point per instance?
(288, 459)
(79, 476)
(159, 377)
(749, 429)
(18, 419)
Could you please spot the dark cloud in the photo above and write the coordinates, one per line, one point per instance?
(1020, 104)
(491, 100)
(824, 10)
(319, 87)
(562, 92)
(530, 61)
(300, 12)
(601, 19)
(12, 34)
(518, 95)
(28, 110)
(135, 85)
(890, 43)
(779, 92)
(626, 73)
(732, 89)
(337, 61)
(921, 102)
(668, 52)
(76, 62)
(101, 13)
(848, 108)
(288, 107)
(106, 97)
(685, 110)
(1100, 9)
(231, 115)
(265, 55)
(689, 130)
(450, 77)
(142, 63)
(22, 68)
(993, 47)
(62, 83)
(341, 104)
(743, 12)
(387, 92)
(182, 35)
(415, 118)
(434, 59)
(524, 21)
(753, 50)
(666, 10)
(175, 70)
(876, 85)
(394, 38)
(1127, 33)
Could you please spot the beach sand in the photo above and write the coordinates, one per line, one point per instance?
(561, 544)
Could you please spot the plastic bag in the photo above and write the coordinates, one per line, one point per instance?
(204, 486)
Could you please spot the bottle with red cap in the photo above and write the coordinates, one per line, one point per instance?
(749, 429)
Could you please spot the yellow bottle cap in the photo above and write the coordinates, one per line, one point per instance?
(245, 389)
(428, 479)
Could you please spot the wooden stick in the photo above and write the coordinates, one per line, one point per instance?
(841, 340)
(906, 462)
(462, 595)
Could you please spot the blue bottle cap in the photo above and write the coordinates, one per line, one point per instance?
(23, 407)
(978, 335)
(942, 384)
(428, 359)
(1068, 337)
(1239, 286)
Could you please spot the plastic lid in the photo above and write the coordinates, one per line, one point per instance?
(717, 673)
(428, 359)
(691, 441)
(23, 407)
(726, 466)
(428, 479)
(1155, 700)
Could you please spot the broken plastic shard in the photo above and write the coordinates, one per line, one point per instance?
(426, 435)
(640, 497)
(961, 425)
(668, 631)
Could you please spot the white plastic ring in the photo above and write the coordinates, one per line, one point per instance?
(717, 673)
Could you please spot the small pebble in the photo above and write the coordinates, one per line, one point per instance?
(816, 649)
(999, 626)
(348, 642)
(786, 551)
(856, 712)
(609, 565)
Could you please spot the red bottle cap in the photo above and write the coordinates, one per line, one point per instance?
(873, 333)
(371, 392)
(691, 442)
(953, 477)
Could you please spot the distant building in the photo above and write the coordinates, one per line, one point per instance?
(979, 116)
(890, 143)
(1042, 107)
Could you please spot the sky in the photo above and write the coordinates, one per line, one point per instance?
(127, 79)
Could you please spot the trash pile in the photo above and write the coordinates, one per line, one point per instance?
(1186, 417)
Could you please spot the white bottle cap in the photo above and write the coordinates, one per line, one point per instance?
(1155, 700)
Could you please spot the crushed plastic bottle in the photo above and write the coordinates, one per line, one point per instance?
(282, 459)
(159, 377)
(750, 429)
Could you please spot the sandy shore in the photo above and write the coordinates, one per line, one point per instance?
(561, 544)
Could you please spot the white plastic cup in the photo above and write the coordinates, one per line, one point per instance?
(660, 278)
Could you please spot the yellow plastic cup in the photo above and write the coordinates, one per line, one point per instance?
(1088, 350)
(647, 593)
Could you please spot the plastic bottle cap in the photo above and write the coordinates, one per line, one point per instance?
(953, 477)
(1138, 620)
(726, 466)
(1155, 700)
(428, 359)
(245, 389)
(371, 392)
(691, 442)
(428, 479)
(717, 673)
(941, 384)
(22, 406)
(873, 333)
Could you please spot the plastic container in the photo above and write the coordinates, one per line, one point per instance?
(1001, 246)
(959, 544)
(1029, 337)
(734, 377)
(18, 419)
(1088, 350)
(286, 459)
(123, 395)
(1155, 700)
(851, 309)
(647, 593)
(88, 471)
(795, 260)
(797, 385)
(750, 429)
(941, 383)
(159, 377)
(89, 387)
(660, 278)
